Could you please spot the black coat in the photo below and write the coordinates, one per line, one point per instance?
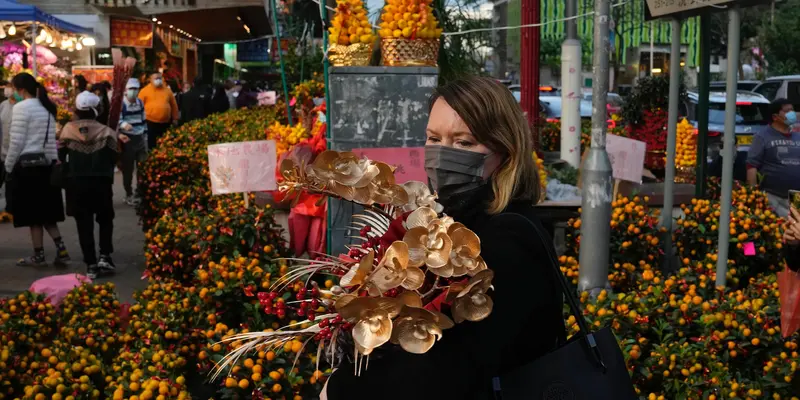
(195, 104)
(791, 254)
(526, 322)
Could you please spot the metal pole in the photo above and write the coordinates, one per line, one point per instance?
(596, 199)
(729, 143)
(672, 130)
(328, 106)
(703, 82)
(33, 52)
(652, 47)
(280, 59)
(571, 91)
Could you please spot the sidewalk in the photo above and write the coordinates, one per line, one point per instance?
(128, 251)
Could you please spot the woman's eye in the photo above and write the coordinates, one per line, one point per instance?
(433, 140)
(465, 144)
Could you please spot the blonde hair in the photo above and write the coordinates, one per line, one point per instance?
(495, 119)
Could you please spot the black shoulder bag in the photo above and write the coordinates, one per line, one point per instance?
(37, 159)
(589, 366)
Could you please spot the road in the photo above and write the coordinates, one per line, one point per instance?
(128, 252)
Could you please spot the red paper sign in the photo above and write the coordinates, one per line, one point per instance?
(409, 161)
(749, 249)
(93, 74)
(242, 167)
(131, 33)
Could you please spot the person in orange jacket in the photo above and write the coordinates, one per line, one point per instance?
(160, 108)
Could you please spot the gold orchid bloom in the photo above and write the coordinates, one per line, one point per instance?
(419, 195)
(465, 257)
(472, 303)
(383, 187)
(428, 241)
(393, 271)
(372, 319)
(415, 328)
(344, 174)
(359, 272)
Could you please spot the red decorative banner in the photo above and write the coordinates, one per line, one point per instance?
(130, 33)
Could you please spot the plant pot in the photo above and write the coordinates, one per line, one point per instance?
(354, 55)
(400, 52)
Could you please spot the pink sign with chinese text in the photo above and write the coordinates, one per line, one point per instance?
(242, 167)
(627, 157)
(409, 161)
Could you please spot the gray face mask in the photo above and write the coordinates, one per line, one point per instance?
(452, 171)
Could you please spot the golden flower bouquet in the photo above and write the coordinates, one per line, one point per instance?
(410, 267)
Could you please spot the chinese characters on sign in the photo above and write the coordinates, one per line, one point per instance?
(408, 161)
(242, 167)
(267, 98)
(130, 33)
(627, 157)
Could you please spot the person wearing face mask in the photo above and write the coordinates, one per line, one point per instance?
(160, 108)
(132, 124)
(6, 107)
(478, 157)
(775, 155)
(88, 153)
(32, 200)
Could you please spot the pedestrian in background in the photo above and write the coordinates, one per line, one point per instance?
(32, 200)
(79, 83)
(775, 154)
(132, 125)
(89, 153)
(160, 108)
(101, 91)
(6, 107)
(195, 103)
(230, 93)
(219, 102)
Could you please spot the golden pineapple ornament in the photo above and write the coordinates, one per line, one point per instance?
(409, 33)
(350, 34)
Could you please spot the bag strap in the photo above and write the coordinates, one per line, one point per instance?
(567, 289)
(47, 131)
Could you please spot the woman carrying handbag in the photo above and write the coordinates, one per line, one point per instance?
(34, 202)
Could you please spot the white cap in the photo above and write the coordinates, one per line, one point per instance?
(87, 100)
(132, 83)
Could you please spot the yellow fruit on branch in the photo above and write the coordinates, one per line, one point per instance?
(409, 19)
(351, 24)
(686, 145)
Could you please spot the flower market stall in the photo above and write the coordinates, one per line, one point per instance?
(28, 36)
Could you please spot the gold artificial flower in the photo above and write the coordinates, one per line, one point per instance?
(344, 174)
(358, 272)
(383, 187)
(372, 319)
(430, 246)
(415, 328)
(465, 257)
(394, 271)
(419, 195)
(472, 303)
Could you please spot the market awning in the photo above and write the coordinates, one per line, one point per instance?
(16, 12)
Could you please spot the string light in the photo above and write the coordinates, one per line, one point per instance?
(12, 30)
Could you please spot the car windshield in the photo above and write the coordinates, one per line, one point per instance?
(746, 114)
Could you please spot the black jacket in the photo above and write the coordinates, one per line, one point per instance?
(526, 321)
(195, 104)
(220, 103)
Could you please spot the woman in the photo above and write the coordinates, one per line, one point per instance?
(478, 157)
(79, 83)
(247, 97)
(101, 91)
(89, 153)
(33, 202)
(219, 103)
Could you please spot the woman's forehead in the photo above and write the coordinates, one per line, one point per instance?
(445, 120)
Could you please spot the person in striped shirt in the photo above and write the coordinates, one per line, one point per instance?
(132, 124)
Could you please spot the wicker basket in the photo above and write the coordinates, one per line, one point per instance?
(685, 174)
(410, 53)
(354, 55)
